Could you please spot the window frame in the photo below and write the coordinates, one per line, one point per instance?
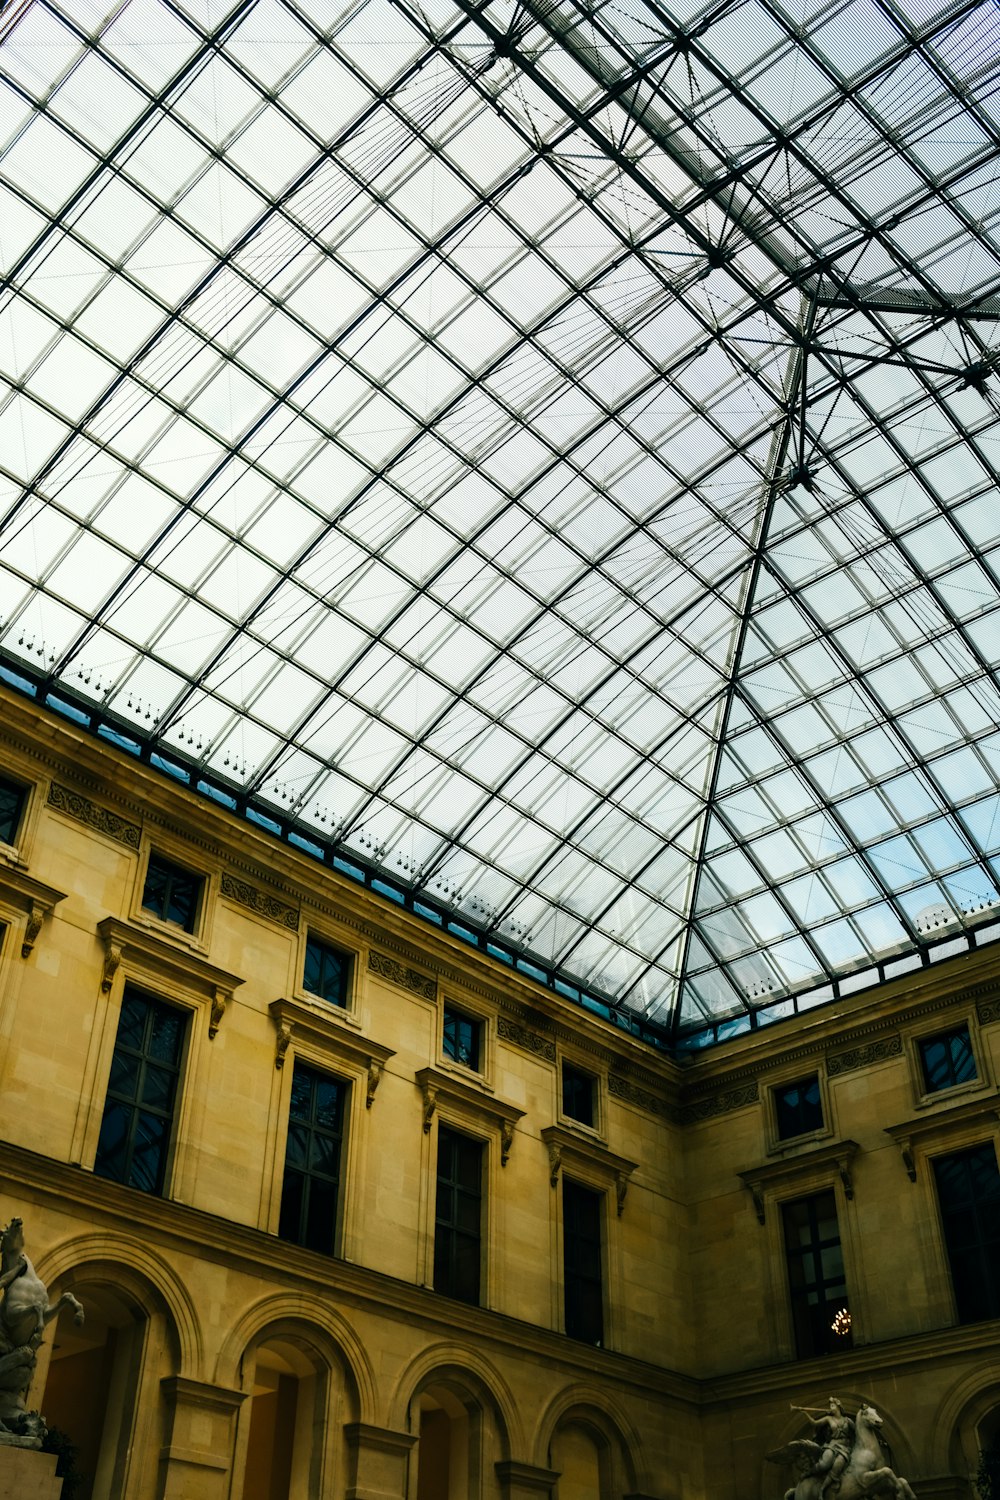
(815, 1249)
(450, 1010)
(348, 966)
(162, 845)
(453, 1227)
(318, 927)
(310, 1030)
(812, 1131)
(792, 1073)
(477, 1014)
(590, 1067)
(12, 847)
(989, 1143)
(600, 1199)
(154, 1001)
(347, 1085)
(925, 1098)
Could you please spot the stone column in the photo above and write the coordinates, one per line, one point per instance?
(25, 1472)
(379, 1461)
(197, 1461)
(525, 1481)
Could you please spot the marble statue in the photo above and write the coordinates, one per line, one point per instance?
(24, 1312)
(844, 1460)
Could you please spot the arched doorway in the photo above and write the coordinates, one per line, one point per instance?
(448, 1455)
(283, 1424)
(101, 1386)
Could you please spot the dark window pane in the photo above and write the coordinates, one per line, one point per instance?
(12, 799)
(461, 1038)
(583, 1290)
(947, 1059)
(577, 1094)
(968, 1186)
(142, 1090)
(798, 1108)
(171, 892)
(458, 1217)
(312, 1160)
(326, 972)
(815, 1274)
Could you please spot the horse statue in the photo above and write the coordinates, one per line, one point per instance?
(847, 1462)
(24, 1313)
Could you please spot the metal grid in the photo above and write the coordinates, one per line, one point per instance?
(544, 452)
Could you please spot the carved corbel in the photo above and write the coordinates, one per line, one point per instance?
(506, 1140)
(758, 1201)
(112, 963)
(621, 1191)
(555, 1162)
(906, 1152)
(430, 1104)
(374, 1079)
(219, 1002)
(844, 1172)
(285, 1030)
(33, 926)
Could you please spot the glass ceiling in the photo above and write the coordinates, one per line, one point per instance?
(546, 452)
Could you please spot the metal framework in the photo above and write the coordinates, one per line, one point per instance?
(540, 457)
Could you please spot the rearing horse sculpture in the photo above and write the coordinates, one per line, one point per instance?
(866, 1472)
(24, 1312)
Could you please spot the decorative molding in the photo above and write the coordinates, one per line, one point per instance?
(631, 1093)
(835, 1156)
(529, 1041)
(593, 1161)
(988, 1010)
(30, 896)
(721, 1103)
(75, 805)
(259, 901)
(322, 1026)
(402, 975)
(155, 960)
(470, 1105)
(958, 1123)
(865, 1055)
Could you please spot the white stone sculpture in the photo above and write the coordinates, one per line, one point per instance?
(845, 1462)
(24, 1312)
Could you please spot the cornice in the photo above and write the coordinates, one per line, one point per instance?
(179, 1228)
(32, 896)
(294, 1018)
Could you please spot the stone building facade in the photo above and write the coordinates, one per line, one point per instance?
(359, 1212)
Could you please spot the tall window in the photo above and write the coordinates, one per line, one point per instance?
(820, 1310)
(142, 1093)
(798, 1108)
(312, 1159)
(327, 972)
(459, 1216)
(947, 1059)
(968, 1186)
(583, 1288)
(12, 799)
(171, 892)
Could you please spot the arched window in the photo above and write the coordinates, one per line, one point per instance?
(448, 1451)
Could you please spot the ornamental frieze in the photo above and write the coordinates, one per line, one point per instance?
(721, 1103)
(875, 1051)
(102, 819)
(531, 1041)
(402, 975)
(630, 1093)
(260, 902)
(989, 1010)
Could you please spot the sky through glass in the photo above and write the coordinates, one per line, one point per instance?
(545, 451)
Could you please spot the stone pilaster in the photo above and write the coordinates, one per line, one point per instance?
(198, 1458)
(379, 1462)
